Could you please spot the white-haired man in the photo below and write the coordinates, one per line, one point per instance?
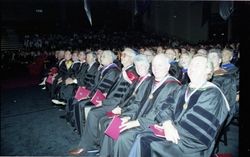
(116, 95)
(192, 124)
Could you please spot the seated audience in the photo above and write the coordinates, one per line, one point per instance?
(193, 122)
(119, 92)
(164, 87)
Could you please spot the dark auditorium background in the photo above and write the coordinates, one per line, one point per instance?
(190, 21)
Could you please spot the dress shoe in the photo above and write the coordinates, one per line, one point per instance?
(42, 84)
(76, 151)
(55, 101)
(63, 117)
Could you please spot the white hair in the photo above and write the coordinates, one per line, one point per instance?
(111, 53)
(142, 59)
(130, 52)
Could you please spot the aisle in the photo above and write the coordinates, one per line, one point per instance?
(30, 124)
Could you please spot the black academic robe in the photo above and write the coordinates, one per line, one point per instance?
(228, 84)
(106, 79)
(63, 71)
(147, 114)
(67, 91)
(175, 70)
(90, 74)
(184, 77)
(198, 126)
(140, 93)
(75, 68)
(85, 78)
(80, 77)
(120, 91)
(233, 70)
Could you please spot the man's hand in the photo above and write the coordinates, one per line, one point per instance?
(59, 80)
(125, 119)
(99, 103)
(238, 96)
(68, 81)
(117, 110)
(171, 133)
(129, 125)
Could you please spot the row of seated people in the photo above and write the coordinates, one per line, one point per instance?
(190, 110)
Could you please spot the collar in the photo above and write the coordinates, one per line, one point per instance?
(90, 65)
(184, 70)
(227, 65)
(126, 68)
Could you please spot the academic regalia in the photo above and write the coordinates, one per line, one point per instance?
(75, 68)
(140, 93)
(65, 71)
(66, 91)
(227, 83)
(229, 67)
(90, 74)
(105, 78)
(118, 63)
(198, 125)
(232, 69)
(147, 113)
(85, 78)
(184, 77)
(120, 91)
(175, 70)
(80, 77)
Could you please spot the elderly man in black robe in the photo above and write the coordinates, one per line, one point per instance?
(121, 90)
(164, 87)
(140, 94)
(224, 80)
(104, 80)
(193, 122)
(85, 77)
